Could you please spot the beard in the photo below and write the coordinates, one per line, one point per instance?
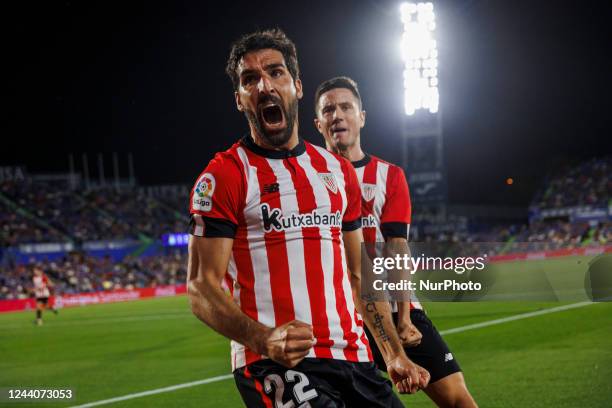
(281, 137)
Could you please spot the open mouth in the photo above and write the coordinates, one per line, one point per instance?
(339, 131)
(272, 115)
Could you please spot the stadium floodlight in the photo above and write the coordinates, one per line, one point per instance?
(420, 57)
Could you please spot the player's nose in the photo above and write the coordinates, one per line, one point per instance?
(265, 85)
(337, 118)
(337, 114)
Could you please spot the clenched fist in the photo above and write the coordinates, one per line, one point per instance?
(407, 376)
(289, 344)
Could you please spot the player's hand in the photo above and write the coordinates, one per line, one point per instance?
(409, 334)
(407, 376)
(290, 343)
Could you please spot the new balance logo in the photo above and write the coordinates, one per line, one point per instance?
(270, 188)
(448, 357)
(274, 220)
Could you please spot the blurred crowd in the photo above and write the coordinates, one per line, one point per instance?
(588, 184)
(53, 212)
(78, 273)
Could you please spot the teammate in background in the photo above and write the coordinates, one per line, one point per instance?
(386, 213)
(41, 292)
(279, 219)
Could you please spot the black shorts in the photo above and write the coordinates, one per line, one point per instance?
(432, 353)
(44, 300)
(314, 382)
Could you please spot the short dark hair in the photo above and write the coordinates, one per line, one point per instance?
(273, 38)
(337, 82)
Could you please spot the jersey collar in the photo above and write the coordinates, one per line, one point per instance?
(300, 148)
(360, 163)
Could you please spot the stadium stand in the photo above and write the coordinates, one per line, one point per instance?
(587, 184)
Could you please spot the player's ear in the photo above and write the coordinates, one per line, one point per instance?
(238, 103)
(362, 118)
(317, 124)
(298, 88)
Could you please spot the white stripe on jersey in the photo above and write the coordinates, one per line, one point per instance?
(382, 171)
(359, 171)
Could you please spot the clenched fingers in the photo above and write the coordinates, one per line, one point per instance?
(299, 345)
(299, 333)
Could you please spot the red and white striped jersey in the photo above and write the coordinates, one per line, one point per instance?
(41, 286)
(286, 211)
(385, 202)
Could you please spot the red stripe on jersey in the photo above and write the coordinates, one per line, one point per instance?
(276, 249)
(369, 177)
(312, 260)
(350, 351)
(264, 398)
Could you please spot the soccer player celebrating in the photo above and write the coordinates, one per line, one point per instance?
(279, 220)
(386, 217)
(41, 292)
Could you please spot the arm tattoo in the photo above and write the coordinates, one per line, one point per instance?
(378, 321)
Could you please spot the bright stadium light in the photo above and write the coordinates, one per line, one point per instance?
(420, 56)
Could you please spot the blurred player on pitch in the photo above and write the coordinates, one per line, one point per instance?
(41, 292)
(386, 215)
(280, 218)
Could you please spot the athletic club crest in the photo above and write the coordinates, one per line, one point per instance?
(368, 191)
(330, 182)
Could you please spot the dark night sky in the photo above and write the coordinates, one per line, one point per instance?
(524, 87)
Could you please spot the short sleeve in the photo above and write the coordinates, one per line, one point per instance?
(396, 213)
(352, 216)
(216, 199)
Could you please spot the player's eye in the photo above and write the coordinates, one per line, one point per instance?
(277, 73)
(248, 79)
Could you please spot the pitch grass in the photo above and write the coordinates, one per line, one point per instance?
(562, 359)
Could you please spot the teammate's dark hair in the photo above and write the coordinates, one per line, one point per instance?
(334, 83)
(275, 39)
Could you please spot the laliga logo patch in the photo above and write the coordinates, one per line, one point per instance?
(330, 181)
(202, 194)
(368, 191)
